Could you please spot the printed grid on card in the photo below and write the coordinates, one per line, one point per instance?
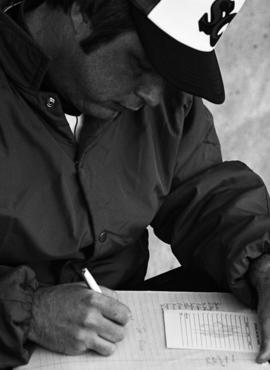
(228, 331)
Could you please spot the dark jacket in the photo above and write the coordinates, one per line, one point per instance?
(63, 205)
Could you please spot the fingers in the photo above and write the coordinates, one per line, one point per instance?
(111, 308)
(99, 334)
(102, 346)
(103, 334)
(264, 354)
(96, 323)
(111, 331)
(118, 313)
(106, 318)
(103, 321)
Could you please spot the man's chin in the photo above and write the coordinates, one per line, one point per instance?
(103, 113)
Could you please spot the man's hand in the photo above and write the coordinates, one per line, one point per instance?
(72, 319)
(259, 275)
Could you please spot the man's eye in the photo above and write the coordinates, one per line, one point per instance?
(144, 65)
(141, 63)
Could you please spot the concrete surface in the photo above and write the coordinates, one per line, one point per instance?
(243, 121)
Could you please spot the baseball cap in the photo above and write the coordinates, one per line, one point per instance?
(180, 37)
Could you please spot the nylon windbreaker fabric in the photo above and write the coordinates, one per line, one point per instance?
(65, 205)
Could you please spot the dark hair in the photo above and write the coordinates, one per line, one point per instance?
(109, 18)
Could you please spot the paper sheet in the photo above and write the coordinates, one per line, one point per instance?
(222, 331)
(144, 347)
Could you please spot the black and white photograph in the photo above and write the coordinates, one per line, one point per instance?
(134, 184)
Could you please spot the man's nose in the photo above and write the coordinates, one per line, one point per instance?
(150, 90)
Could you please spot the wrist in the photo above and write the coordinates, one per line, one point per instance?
(34, 332)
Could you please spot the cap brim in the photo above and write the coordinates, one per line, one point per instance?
(190, 70)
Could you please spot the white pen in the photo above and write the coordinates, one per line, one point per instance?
(90, 281)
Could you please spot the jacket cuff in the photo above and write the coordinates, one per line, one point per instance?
(238, 269)
(17, 287)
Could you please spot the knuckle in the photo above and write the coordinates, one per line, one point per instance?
(79, 336)
(92, 324)
(77, 344)
(85, 318)
(91, 318)
(92, 298)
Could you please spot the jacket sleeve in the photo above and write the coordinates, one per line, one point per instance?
(216, 215)
(17, 286)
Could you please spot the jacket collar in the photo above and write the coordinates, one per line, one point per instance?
(21, 58)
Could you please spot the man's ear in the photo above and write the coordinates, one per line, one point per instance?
(81, 23)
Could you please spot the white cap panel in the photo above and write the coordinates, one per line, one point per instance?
(180, 19)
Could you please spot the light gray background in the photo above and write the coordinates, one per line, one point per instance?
(243, 121)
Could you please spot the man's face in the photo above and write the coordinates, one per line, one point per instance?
(113, 77)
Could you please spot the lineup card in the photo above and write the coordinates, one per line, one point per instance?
(212, 330)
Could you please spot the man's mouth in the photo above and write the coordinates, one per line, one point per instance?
(134, 108)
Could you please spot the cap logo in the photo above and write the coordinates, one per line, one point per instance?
(221, 15)
(198, 24)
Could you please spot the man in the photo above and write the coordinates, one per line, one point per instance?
(147, 154)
